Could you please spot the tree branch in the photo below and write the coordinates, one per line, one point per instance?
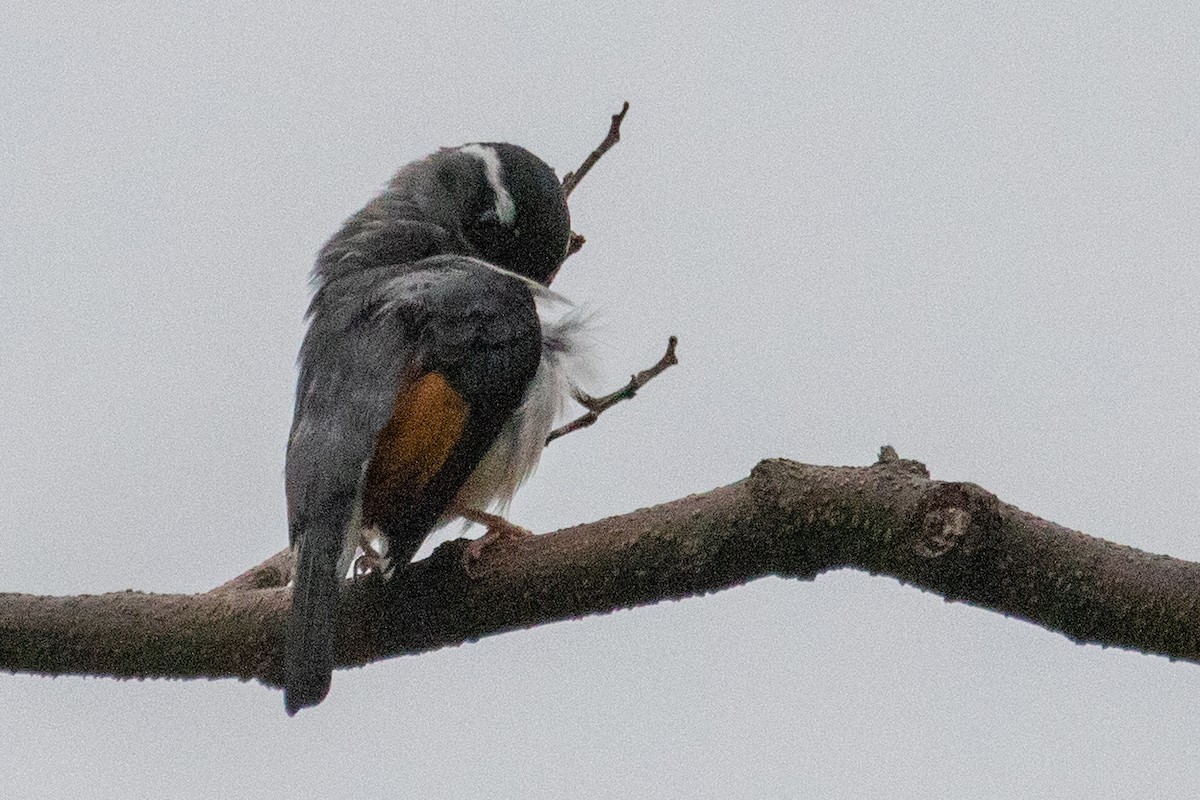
(572, 179)
(786, 519)
(598, 405)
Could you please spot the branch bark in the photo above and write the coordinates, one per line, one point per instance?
(787, 519)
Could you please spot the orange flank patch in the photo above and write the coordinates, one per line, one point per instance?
(426, 424)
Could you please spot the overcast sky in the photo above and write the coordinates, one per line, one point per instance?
(967, 231)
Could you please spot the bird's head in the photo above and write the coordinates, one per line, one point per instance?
(503, 201)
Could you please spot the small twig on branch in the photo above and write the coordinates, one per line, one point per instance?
(574, 244)
(270, 574)
(598, 405)
(572, 179)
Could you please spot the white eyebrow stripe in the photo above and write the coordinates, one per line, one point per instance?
(506, 209)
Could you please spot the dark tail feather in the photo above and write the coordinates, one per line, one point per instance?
(308, 663)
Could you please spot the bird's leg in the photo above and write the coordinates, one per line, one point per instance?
(498, 529)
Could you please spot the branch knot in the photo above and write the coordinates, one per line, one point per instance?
(953, 517)
(941, 530)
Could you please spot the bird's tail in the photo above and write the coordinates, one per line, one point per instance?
(308, 661)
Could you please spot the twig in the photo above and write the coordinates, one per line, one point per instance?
(574, 244)
(270, 574)
(598, 405)
(572, 179)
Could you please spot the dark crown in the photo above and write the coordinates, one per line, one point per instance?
(516, 216)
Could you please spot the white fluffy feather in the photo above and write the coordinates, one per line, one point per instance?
(516, 451)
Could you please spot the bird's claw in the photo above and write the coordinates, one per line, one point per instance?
(368, 562)
(499, 530)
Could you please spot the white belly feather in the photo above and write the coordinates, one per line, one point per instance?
(515, 453)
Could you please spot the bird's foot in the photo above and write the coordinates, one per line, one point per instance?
(370, 561)
(498, 530)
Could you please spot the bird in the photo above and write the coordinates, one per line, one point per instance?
(429, 376)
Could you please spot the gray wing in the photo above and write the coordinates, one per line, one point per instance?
(377, 330)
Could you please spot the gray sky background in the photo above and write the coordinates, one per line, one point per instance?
(967, 231)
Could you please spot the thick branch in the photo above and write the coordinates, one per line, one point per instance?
(786, 519)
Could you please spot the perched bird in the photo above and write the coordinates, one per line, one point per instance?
(428, 382)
